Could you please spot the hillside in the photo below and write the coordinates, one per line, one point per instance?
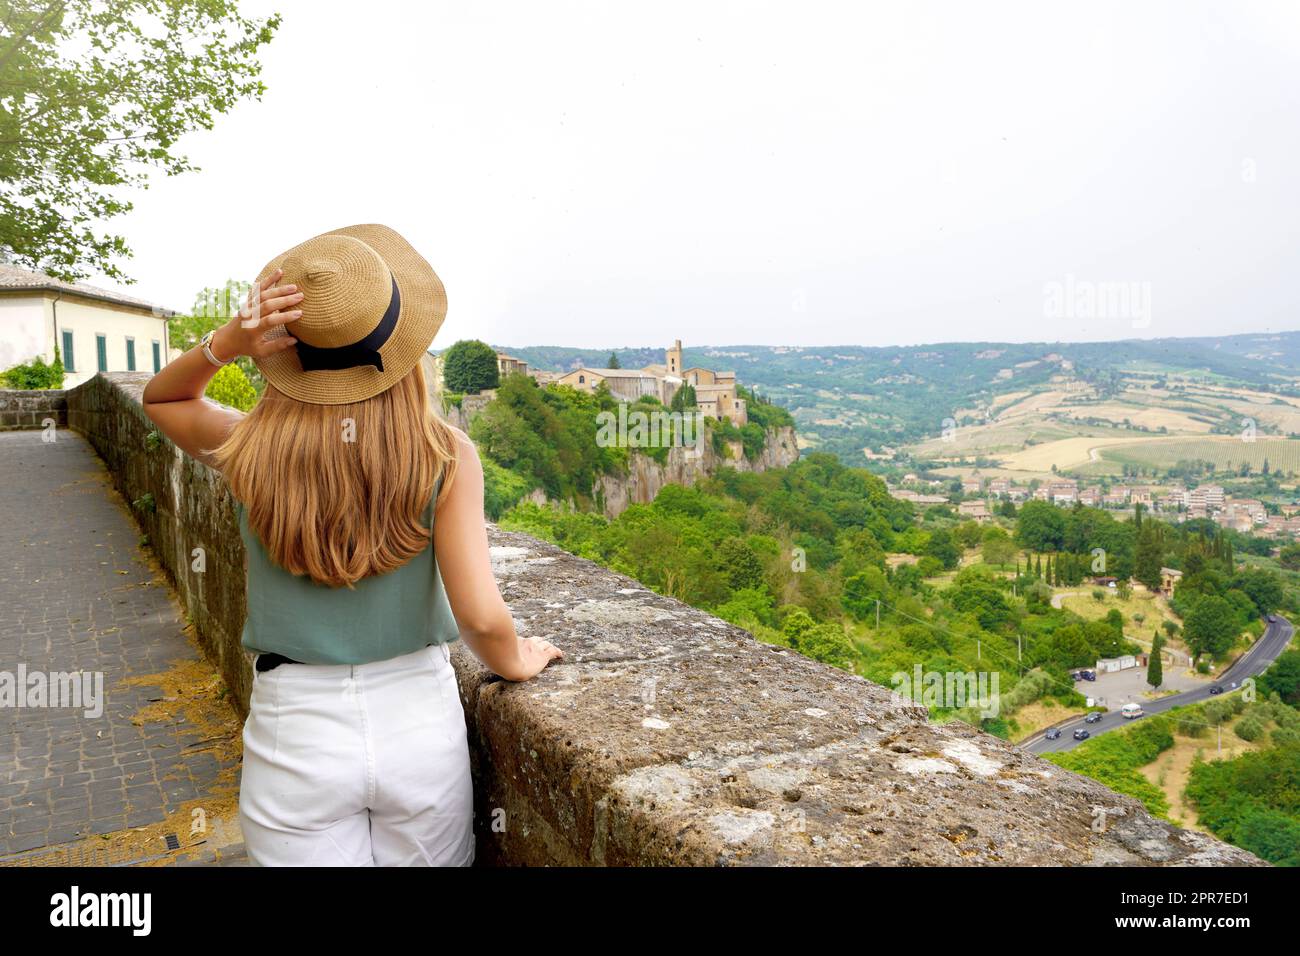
(1116, 403)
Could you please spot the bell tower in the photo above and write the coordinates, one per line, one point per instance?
(673, 358)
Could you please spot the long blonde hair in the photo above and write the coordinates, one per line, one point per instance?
(337, 492)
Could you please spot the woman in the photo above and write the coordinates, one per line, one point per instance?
(362, 517)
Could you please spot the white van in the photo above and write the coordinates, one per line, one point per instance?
(1129, 711)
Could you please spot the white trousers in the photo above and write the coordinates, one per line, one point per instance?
(358, 765)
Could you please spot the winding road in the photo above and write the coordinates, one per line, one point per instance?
(1263, 652)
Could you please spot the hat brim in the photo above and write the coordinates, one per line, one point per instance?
(424, 306)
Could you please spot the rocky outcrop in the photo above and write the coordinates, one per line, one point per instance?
(645, 476)
(666, 736)
(463, 413)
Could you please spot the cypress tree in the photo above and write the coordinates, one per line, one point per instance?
(1155, 669)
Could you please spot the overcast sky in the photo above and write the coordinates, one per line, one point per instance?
(600, 175)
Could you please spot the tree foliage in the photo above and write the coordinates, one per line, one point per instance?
(470, 366)
(36, 374)
(93, 97)
(230, 386)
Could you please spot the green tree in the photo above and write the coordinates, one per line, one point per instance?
(470, 366)
(997, 546)
(1211, 626)
(1262, 586)
(230, 386)
(82, 120)
(829, 644)
(862, 591)
(1289, 556)
(943, 548)
(683, 399)
(747, 607)
(502, 489)
(1155, 667)
(213, 308)
(1283, 678)
(613, 361)
(1040, 526)
(1149, 557)
(741, 565)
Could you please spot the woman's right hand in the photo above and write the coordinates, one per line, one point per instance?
(269, 305)
(534, 655)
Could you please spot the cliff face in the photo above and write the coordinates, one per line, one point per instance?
(645, 476)
(461, 415)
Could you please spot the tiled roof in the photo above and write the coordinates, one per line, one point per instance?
(613, 372)
(15, 279)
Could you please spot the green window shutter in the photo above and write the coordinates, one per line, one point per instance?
(68, 363)
(157, 357)
(130, 355)
(101, 352)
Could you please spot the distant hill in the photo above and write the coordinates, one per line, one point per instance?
(849, 398)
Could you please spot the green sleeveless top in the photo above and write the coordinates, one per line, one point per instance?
(383, 616)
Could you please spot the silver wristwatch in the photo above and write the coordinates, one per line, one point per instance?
(205, 343)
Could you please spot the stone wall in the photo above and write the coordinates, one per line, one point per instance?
(31, 409)
(667, 736)
(185, 509)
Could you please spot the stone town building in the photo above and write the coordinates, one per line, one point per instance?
(509, 365)
(1205, 498)
(1169, 578)
(715, 392)
(1063, 490)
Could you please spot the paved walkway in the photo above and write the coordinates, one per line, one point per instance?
(102, 783)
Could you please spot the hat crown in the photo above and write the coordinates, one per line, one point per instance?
(348, 277)
(346, 287)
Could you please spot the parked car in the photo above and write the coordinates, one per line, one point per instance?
(1081, 734)
(1216, 689)
(1089, 675)
(1092, 717)
(1076, 675)
(1053, 734)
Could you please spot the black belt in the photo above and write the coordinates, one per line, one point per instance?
(266, 662)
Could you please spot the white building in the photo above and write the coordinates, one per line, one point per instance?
(94, 329)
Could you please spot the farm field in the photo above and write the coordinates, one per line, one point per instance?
(1151, 417)
(1152, 420)
(1003, 439)
(1063, 454)
(1226, 452)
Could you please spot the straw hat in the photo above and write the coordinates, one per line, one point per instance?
(370, 308)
